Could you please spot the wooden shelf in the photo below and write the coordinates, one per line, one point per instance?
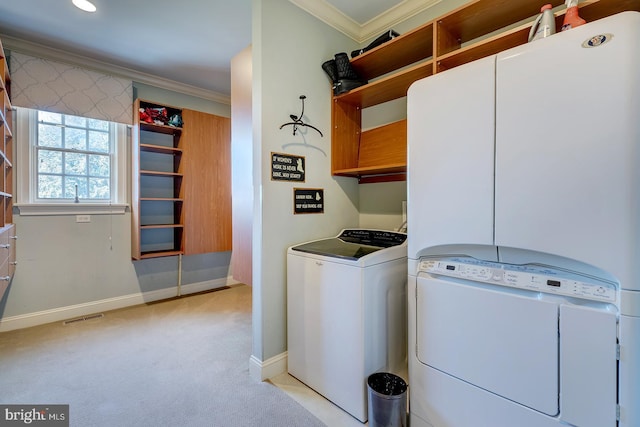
(473, 31)
(158, 254)
(387, 88)
(152, 127)
(592, 10)
(7, 228)
(160, 149)
(5, 160)
(7, 133)
(406, 49)
(359, 172)
(481, 17)
(181, 192)
(159, 226)
(491, 46)
(157, 229)
(158, 173)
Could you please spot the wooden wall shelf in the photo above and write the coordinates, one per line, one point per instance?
(156, 206)
(181, 192)
(7, 227)
(473, 31)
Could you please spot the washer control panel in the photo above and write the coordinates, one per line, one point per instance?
(530, 277)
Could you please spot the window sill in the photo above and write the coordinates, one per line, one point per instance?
(70, 209)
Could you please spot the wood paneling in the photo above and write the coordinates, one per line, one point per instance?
(206, 187)
(384, 145)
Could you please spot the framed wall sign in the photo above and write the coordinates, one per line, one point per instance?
(287, 167)
(308, 200)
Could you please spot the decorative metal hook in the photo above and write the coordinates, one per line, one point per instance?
(297, 120)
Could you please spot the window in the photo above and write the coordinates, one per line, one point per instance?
(69, 164)
(73, 157)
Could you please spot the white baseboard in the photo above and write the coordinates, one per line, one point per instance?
(78, 310)
(270, 368)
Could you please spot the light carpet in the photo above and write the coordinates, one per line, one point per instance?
(181, 362)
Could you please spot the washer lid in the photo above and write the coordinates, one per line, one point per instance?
(353, 244)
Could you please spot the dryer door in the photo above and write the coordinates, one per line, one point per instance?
(505, 342)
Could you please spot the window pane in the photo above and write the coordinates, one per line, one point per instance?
(49, 187)
(75, 164)
(48, 117)
(75, 121)
(75, 139)
(99, 188)
(49, 161)
(74, 155)
(49, 136)
(99, 165)
(70, 187)
(98, 124)
(99, 141)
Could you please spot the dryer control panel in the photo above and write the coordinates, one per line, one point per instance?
(530, 277)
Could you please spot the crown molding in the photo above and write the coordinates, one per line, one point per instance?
(399, 13)
(333, 17)
(45, 52)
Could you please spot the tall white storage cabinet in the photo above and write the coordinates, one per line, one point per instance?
(567, 137)
(560, 154)
(534, 174)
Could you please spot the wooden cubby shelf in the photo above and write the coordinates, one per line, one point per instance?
(7, 227)
(386, 88)
(160, 150)
(181, 184)
(152, 127)
(157, 223)
(160, 173)
(473, 31)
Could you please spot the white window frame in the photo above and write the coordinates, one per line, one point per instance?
(26, 174)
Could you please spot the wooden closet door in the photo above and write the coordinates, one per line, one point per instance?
(206, 189)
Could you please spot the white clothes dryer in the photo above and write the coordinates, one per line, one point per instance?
(506, 344)
(346, 313)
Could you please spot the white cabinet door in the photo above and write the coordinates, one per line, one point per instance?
(450, 153)
(567, 132)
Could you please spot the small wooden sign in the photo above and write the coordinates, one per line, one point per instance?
(308, 200)
(286, 167)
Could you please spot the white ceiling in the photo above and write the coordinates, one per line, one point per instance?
(162, 38)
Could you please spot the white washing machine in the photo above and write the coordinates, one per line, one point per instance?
(346, 313)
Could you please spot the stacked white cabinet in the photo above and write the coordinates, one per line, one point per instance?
(532, 161)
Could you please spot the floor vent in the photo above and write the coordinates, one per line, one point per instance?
(83, 318)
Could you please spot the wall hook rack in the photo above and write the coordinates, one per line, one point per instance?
(297, 120)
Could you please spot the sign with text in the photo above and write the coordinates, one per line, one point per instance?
(286, 167)
(34, 415)
(308, 200)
